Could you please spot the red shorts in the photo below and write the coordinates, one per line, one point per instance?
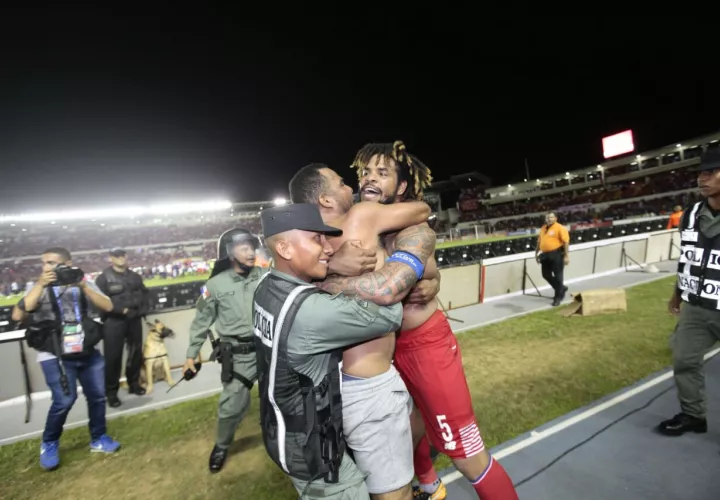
(429, 361)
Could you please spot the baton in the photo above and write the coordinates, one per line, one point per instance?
(188, 375)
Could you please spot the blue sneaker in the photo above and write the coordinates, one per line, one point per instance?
(49, 455)
(105, 444)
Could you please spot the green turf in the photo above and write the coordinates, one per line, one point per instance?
(522, 373)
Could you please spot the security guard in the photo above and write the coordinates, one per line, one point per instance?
(226, 301)
(300, 333)
(123, 324)
(698, 286)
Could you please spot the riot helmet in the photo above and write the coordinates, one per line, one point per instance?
(226, 244)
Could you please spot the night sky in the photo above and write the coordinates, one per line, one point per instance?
(100, 106)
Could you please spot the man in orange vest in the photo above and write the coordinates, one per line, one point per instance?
(553, 255)
(675, 217)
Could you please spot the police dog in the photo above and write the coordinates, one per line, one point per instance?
(155, 354)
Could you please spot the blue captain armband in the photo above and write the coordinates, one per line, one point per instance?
(410, 260)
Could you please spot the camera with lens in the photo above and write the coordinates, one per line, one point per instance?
(66, 275)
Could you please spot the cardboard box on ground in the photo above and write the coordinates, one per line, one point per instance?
(594, 302)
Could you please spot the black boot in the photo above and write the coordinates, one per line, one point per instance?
(559, 297)
(217, 459)
(682, 423)
(113, 401)
(137, 390)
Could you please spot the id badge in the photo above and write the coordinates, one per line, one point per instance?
(73, 339)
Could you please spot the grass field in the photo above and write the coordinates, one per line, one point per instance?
(522, 373)
(155, 282)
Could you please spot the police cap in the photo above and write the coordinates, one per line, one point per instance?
(710, 160)
(302, 216)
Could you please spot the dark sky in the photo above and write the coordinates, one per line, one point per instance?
(103, 106)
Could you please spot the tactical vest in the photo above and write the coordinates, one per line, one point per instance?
(121, 293)
(699, 269)
(301, 422)
(45, 330)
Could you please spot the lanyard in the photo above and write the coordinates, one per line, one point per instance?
(76, 301)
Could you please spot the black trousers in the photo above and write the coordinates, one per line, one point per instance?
(553, 267)
(118, 332)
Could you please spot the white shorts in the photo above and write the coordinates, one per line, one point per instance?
(376, 423)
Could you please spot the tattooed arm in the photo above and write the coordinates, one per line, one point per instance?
(394, 281)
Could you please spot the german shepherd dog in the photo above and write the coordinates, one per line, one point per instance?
(157, 364)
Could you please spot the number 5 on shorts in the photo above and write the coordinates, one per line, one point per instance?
(447, 434)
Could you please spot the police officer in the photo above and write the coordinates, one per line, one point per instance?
(698, 286)
(226, 301)
(300, 333)
(123, 324)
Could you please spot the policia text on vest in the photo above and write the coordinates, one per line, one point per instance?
(300, 332)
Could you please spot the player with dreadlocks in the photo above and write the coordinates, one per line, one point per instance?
(426, 353)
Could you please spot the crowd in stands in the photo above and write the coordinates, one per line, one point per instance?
(162, 263)
(636, 209)
(611, 193)
(16, 243)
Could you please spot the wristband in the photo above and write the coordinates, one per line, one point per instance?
(410, 260)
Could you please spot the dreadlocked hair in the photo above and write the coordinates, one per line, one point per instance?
(410, 168)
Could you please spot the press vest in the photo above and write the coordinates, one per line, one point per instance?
(46, 327)
(699, 269)
(301, 422)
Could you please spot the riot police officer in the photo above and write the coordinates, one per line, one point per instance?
(226, 302)
(123, 324)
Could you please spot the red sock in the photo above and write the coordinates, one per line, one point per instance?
(424, 469)
(495, 484)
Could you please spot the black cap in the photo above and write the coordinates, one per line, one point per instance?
(118, 252)
(710, 160)
(303, 216)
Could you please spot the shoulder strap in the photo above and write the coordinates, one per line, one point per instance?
(54, 303)
(690, 217)
(83, 306)
(292, 302)
(292, 310)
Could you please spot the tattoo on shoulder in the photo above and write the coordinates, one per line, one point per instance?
(418, 240)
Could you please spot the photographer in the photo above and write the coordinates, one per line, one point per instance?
(60, 329)
(123, 324)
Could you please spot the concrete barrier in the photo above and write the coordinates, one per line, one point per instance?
(499, 277)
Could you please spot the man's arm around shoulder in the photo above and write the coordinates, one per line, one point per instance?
(328, 322)
(393, 217)
(393, 282)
